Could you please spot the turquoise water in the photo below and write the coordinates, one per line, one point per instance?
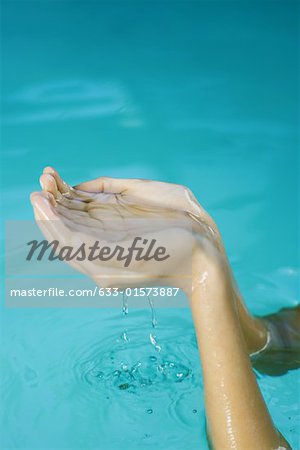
(198, 93)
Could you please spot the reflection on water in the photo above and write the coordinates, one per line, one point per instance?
(73, 99)
(70, 91)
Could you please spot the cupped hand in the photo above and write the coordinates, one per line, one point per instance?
(115, 212)
(147, 192)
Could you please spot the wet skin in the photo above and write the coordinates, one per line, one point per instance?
(237, 417)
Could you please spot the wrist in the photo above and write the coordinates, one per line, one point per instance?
(210, 271)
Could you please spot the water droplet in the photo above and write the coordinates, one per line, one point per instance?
(153, 315)
(160, 368)
(125, 304)
(135, 368)
(149, 411)
(97, 373)
(195, 411)
(154, 342)
(124, 336)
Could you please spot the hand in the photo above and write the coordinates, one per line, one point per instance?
(147, 192)
(107, 211)
(153, 193)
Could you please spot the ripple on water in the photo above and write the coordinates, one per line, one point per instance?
(87, 371)
(169, 379)
(109, 372)
(128, 366)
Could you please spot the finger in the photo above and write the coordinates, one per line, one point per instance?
(160, 194)
(47, 218)
(156, 193)
(62, 186)
(42, 211)
(107, 184)
(168, 195)
(48, 184)
(73, 203)
(43, 204)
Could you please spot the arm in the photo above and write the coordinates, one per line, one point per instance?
(236, 412)
(164, 196)
(161, 195)
(237, 415)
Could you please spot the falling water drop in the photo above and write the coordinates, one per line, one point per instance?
(153, 315)
(124, 367)
(125, 304)
(154, 342)
(124, 336)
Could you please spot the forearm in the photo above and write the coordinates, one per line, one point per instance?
(254, 330)
(236, 413)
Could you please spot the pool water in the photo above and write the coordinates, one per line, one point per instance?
(198, 93)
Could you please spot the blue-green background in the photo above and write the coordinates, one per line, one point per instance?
(202, 93)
